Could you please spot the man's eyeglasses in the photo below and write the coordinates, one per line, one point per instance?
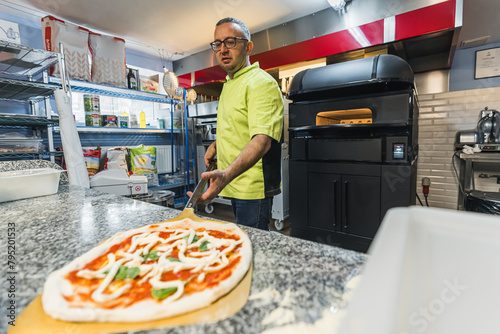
(229, 43)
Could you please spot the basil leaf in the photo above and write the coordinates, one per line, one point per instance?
(162, 293)
(195, 238)
(173, 259)
(126, 272)
(151, 256)
(203, 246)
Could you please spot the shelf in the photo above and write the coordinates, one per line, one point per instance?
(171, 185)
(39, 155)
(23, 90)
(26, 120)
(21, 60)
(482, 156)
(98, 89)
(91, 129)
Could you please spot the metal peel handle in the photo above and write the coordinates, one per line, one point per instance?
(199, 188)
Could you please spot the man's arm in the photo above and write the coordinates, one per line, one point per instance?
(219, 179)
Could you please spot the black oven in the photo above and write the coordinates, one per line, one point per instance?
(353, 148)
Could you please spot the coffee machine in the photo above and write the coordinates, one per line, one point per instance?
(486, 135)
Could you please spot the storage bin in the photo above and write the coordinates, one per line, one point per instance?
(20, 145)
(21, 184)
(429, 271)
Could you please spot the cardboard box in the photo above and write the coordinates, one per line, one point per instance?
(148, 84)
(109, 121)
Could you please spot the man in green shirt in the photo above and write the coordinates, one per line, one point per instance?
(249, 129)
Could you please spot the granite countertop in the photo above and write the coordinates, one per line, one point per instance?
(52, 230)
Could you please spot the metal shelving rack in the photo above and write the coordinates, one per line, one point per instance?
(99, 89)
(105, 90)
(19, 66)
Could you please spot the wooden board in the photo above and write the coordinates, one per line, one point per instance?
(34, 320)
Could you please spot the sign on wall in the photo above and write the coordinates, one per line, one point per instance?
(9, 31)
(487, 63)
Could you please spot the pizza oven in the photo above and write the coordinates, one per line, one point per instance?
(353, 148)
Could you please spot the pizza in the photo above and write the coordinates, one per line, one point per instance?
(152, 272)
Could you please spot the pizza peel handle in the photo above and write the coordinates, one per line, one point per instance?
(199, 189)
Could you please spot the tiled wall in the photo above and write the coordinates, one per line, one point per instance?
(441, 116)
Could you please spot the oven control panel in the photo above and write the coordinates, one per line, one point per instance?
(396, 149)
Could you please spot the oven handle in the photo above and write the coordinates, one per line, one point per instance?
(334, 203)
(344, 211)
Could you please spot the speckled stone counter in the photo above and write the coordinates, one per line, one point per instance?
(50, 231)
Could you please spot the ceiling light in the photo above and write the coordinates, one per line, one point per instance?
(338, 5)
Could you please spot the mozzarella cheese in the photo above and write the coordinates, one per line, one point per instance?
(213, 259)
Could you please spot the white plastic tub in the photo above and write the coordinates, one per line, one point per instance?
(429, 271)
(28, 183)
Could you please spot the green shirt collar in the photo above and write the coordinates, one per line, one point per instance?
(243, 71)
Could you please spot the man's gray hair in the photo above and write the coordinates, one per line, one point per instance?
(242, 25)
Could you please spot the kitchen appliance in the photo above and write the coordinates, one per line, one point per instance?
(158, 197)
(208, 131)
(117, 181)
(486, 135)
(353, 148)
(170, 82)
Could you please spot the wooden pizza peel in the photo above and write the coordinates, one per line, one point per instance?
(34, 320)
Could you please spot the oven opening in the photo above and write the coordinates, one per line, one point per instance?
(348, 116)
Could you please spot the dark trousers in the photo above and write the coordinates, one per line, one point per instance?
(253, 212)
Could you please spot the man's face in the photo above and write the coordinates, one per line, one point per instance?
(232, 60)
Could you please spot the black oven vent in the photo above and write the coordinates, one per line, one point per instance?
(376, 74)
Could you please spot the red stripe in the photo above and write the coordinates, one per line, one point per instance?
(208, 75)
(47, 41)
(422, 21)
(52, 18)
(185, 80)
(426, 20)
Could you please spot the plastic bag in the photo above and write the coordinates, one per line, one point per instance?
(108, 60)
(143, 162)
(76, 46)
(92, 160)
(481, 201)
(117, 158)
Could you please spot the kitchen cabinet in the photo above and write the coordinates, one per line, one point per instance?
(335, 203)
(20, 71)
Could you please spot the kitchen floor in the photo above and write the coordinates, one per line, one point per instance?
(225, 212)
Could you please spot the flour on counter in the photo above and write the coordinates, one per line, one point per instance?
(283, 314)
(280, 316)
(327, 324)
(267, 295)
(287, 301)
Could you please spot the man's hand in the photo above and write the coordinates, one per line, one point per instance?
(217, 181)
(210, 153)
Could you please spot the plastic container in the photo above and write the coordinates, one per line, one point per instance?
(20, 145)
(429, 271)
(21, 184)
